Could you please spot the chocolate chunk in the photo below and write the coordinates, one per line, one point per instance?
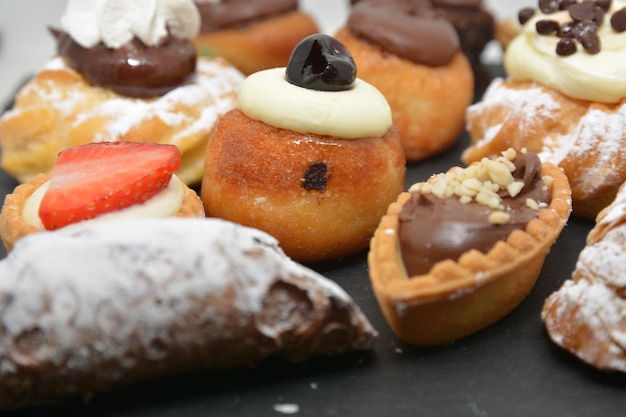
(316, 177)
(525, 14)
(565, 4)
(589, 39)
(618, 20)
(546, 26)
(605, 4)
(566, 46)
(548, 6)
(567, 30)
(582, 11)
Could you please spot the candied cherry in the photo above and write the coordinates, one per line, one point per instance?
(321, 62)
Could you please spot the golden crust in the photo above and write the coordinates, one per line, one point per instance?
(562, 130)
(587, 315)
(506, 30)
(457, 298)
(58, 109)
(428, 103)
(263, 45)
(13, 226)
(254, 176)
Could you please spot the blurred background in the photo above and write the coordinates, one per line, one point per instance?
(25, 43)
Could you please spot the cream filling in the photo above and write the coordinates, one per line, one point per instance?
(600, 77)
(164, 204)
(116, 22)
(362, 111)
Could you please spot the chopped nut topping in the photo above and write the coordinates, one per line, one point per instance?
(482, 182)
(499, 217)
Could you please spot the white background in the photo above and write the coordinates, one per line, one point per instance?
(25, 43)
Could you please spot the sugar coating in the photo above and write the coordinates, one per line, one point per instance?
(212, 81)
(597, 136)
(89, 292)
(594, 298)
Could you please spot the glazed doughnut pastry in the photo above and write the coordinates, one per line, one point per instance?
(119, 79)
(253, 35)
(587, 315)
(563, 99)
(311, 155)
(460, 251)
(94, 306)
(473, 23)
(100, 182)
(415, 60)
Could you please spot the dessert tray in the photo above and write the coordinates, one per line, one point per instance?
(509, 369)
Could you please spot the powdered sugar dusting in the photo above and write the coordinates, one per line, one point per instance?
(598, 134)
(528, 104)
(213, 82)
(91, 289)
(594, 300)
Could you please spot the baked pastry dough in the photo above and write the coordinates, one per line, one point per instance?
(321, 196)
(427, 102)
(260, 45)
(102, 305)
(587, 315)
(59, 109)
(457, 298)
(586, 139)
(14, 227)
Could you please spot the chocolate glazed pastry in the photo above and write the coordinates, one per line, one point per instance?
(92, 307)
(474, 24)
(134, 69)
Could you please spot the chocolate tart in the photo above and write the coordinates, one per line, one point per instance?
(457, 298)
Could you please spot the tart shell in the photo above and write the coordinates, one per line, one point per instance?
(458, 298)
(13, 226)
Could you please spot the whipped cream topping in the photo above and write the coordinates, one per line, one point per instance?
(362, 111)
(164, 204)
(116, 22)
(597, 77)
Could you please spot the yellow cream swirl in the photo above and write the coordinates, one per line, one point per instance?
(164, 204)
(597, 77)
(362, 111)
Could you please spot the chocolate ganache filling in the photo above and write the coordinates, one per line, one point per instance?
(412, 30)
(231, 13)
(134, 69)
(433, 229)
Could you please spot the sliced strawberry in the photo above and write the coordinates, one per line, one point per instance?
(98, 178)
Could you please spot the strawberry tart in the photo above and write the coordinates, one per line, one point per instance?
(100, 182)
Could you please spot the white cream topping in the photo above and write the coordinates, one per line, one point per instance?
(597, 77)
(164, 204)
(116, 22)
(359, 112)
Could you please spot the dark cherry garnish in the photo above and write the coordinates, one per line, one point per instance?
(321, 62)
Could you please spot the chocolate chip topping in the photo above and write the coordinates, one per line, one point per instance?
(618, 21)
(525, 15)
(315, 177)
(586, 17)
(566, 46)
(546, 26)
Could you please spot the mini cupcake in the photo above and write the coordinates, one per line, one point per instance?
(310, 155)
(462, 250)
